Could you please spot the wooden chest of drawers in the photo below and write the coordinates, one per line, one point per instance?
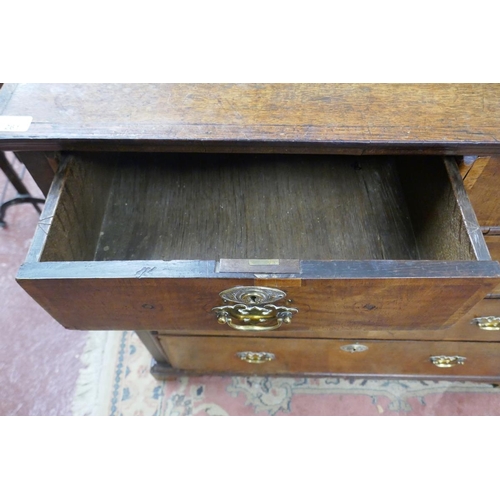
(229, 254)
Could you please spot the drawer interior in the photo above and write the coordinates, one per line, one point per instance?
(211, 206)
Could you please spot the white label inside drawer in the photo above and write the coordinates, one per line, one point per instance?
(15, 123)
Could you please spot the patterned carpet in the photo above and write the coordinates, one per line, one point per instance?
(116, 381)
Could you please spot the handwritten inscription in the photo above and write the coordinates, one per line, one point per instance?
(144, 272)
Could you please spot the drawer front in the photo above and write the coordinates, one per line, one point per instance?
(493, 243)
(384, 243)
(183, 304)
(288, 356)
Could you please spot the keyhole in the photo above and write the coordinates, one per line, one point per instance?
(253, 298)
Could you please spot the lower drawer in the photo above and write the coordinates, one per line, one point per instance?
(323, 356)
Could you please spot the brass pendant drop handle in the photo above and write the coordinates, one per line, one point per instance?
(254, 318)
(447, 361)
(256, 357)
(487, 322)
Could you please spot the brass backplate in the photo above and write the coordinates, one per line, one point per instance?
(252, 295)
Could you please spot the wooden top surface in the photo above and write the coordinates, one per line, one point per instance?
(343, 118)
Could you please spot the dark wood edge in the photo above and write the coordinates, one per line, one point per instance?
(150, 341)
(165, 371)
(469, 216)
(32, 269)
(41, 165)
(297, 335)
(6, 92)
(49, 210)
(128, 144)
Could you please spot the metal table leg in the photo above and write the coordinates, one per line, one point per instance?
(23, 195)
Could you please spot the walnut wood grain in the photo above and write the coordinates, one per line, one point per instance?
(462, 330)
(140, 303)
(287, 118)
(493, 243)
(214, 354)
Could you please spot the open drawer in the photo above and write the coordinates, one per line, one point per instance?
(148, 242)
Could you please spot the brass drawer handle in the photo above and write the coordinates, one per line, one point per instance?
(447, 361)
(255, 357)
(253, 310)
(254, 318)
(487, 322)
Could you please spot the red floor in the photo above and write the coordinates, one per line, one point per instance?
(39, 359)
